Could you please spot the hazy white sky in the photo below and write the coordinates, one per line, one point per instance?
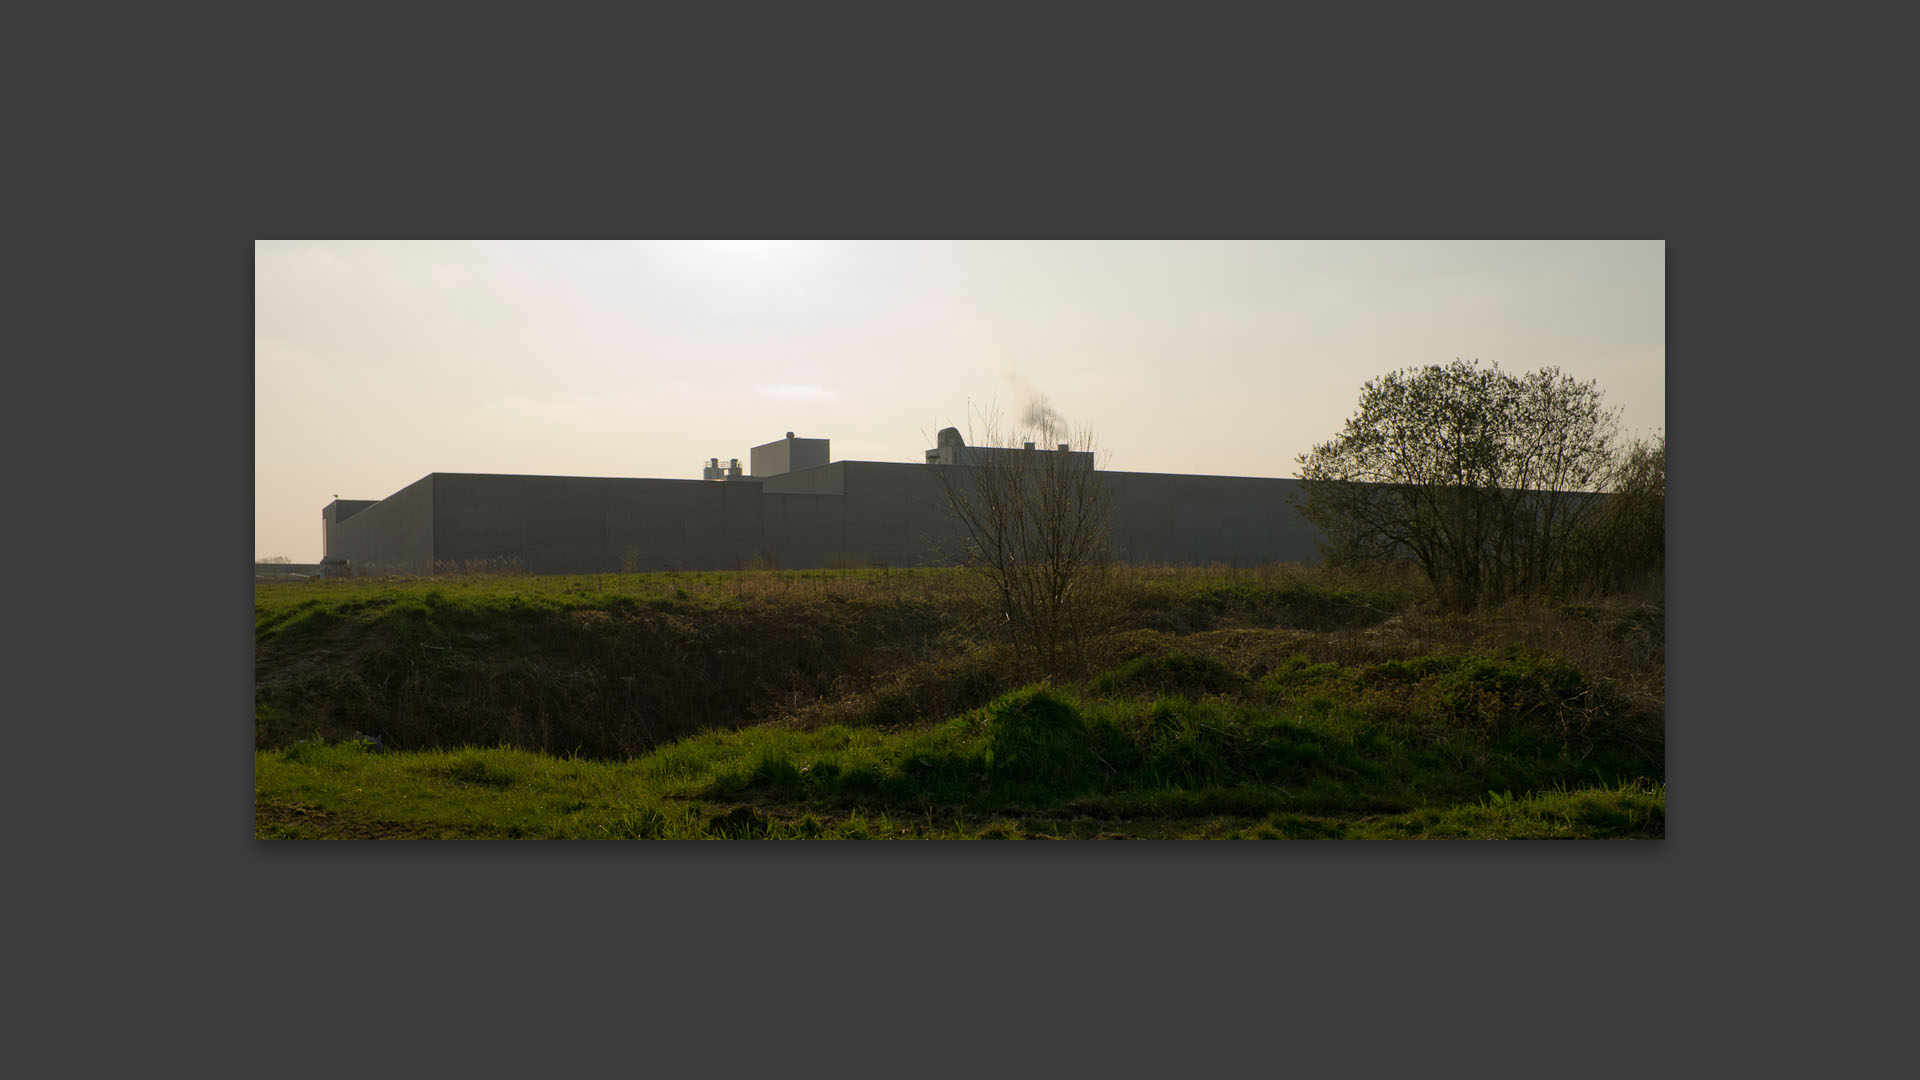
(376, 363)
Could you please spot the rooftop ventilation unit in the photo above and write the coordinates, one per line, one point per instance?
(788, 455)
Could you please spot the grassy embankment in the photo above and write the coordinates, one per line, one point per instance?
(1282, 702)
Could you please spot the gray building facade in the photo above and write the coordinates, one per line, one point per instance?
(797, 510)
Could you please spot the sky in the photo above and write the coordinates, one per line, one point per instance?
(379, 362)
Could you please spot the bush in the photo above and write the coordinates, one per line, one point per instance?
(1038, 738)
(1174, 673)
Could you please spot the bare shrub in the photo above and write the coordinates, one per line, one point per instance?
(1033, 532)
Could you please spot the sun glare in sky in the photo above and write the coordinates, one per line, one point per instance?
(376, 363)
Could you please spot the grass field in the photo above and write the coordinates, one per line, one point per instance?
(1281, 702)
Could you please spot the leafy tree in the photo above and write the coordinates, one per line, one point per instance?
(1482, 478)
(1625, 545)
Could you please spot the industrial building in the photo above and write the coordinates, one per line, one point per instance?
(793, 507)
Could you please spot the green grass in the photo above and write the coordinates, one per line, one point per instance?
(1270, 703)
(1031, 763)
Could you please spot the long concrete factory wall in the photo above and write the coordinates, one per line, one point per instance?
(579, 524)
(842, 513)
(394, 534)
(1239, 520)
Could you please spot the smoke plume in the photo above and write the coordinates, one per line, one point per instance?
(1034, 410)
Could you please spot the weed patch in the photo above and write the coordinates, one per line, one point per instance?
(1170, 673)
